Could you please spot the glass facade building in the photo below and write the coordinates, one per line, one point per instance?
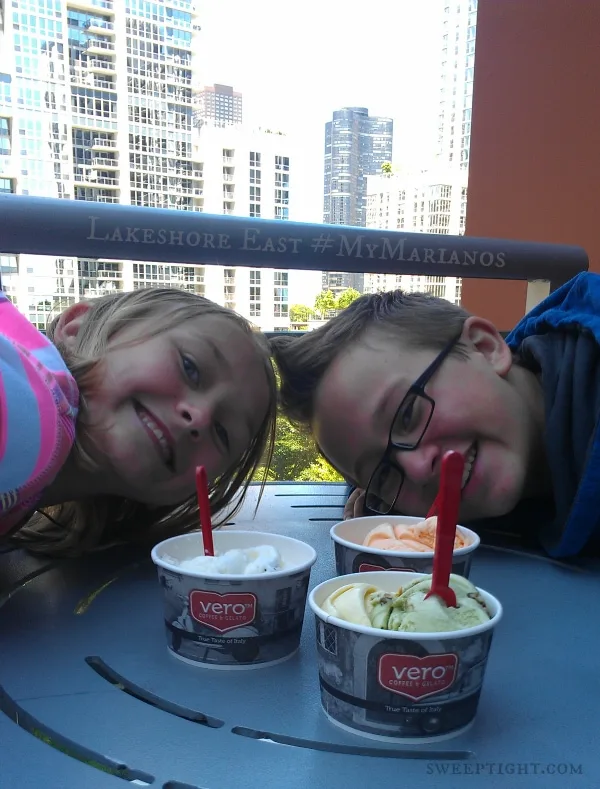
(96, 105)
(356, 145)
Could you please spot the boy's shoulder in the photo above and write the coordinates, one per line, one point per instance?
(575, 305)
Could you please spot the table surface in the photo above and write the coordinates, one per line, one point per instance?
(84, 666)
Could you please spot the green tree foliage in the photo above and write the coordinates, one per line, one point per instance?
(296, 456)
(319, 471)
(324, 303)
(300, 313)
(386, 168)
(346, 298)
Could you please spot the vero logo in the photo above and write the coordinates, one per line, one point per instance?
(222, 612)
(416, 677)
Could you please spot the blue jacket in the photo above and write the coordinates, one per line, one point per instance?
(561, 338)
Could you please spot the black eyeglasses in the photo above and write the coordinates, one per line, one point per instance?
(406, 433)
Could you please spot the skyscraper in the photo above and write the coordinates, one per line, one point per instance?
(96, 104)
(219, 104)
(457, 69)
(256, 173)
(356, 145)
(417, 202)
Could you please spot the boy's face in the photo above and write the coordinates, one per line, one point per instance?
(483, 409)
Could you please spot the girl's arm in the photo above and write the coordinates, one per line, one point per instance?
(38, 408)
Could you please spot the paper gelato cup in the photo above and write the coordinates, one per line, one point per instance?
(396, 686)
(233, 621)
(351, 556)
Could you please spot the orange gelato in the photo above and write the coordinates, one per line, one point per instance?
(420, 537)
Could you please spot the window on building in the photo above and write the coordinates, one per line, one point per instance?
(280, 294)
(255, 277)
(4, 137)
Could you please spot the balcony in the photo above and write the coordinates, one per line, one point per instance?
(198, 192)
(101, 66)
(97, 47)
(228, 177)
(228, 196)
(104, 84)
(228, 160)
(103, 273)
(177, 79)
(99, 27)
(107, 162)
(82, 75)
(97, 6)
(89, 179)
(198, 174)
(106, 180)
(98, 143)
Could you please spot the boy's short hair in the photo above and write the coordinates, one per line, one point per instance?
(421, 320)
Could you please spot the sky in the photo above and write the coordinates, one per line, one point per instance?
(297, 62)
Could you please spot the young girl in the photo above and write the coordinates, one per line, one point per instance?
(103, 423)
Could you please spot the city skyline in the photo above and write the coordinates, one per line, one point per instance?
(96, 104)
(397, 71)
(70, 133)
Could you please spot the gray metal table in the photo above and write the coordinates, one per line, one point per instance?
(84, 664)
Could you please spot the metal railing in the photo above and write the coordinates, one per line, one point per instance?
(107, 231)
(77, 228)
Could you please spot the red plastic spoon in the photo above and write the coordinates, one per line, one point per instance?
(448, 503)
(204, 507)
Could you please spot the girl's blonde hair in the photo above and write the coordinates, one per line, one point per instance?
(77, 527)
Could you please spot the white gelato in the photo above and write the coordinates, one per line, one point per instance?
(247, 561)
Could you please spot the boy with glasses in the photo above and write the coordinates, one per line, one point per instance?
(396, 380)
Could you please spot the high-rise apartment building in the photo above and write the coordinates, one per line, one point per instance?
(356, 145)
(220, 105)
(425, 202)
(249, 172)
(457, 69)
(96, 104)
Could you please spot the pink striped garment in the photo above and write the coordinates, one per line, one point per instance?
(38, 408)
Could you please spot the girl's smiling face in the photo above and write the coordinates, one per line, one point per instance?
(194, 394)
